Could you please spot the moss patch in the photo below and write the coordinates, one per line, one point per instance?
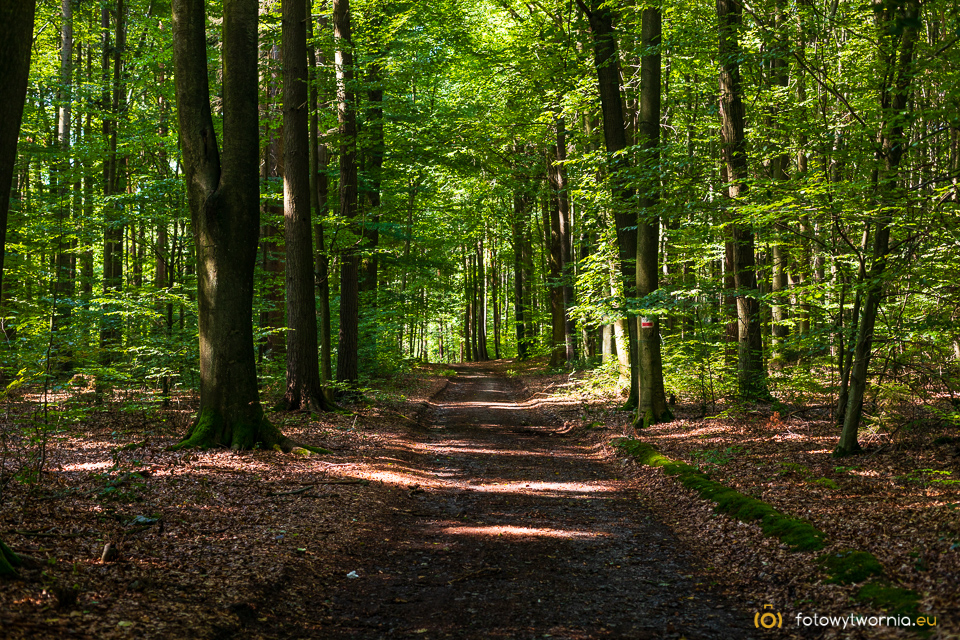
(891, 599)
(800, 535)
(849, 566)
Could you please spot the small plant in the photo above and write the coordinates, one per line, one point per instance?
(717, 456)
(927, 477)
(787, 468)
(125, 487)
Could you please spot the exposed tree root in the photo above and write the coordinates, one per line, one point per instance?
(210, 429)
(9, 561)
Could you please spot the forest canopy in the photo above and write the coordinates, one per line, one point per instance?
(735, 201)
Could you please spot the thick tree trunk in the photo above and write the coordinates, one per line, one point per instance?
(348, 361)
(751, 373)
(304, 390)
(16, 37)
(893, 104)
(224, 205)
(653, 401)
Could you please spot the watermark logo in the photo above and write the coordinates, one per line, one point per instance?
(768, 619)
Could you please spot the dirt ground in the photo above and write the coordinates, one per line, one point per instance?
(474, 505)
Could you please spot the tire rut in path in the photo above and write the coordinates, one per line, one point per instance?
(519, 532)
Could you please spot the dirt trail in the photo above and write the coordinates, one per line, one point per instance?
(515, 530)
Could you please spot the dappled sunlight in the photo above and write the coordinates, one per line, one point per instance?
(520, 532)
(87, 466)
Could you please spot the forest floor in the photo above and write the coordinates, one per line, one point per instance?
(480, 502)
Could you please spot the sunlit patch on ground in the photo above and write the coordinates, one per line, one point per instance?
(520, 532)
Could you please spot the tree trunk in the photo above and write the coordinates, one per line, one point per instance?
(893, 104)
(224, 205)
(554, 247)
(520, 208)
(110, 333)
(751, 373)
(319, 197)
(348, 361)
(374, 168)
(607, 64)
(653, 401)
(16, 38)
(304, 390)
(566, 242)
(271, 248)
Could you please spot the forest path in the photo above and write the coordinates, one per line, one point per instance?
(515, 531)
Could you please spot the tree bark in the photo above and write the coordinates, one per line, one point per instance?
(520, 211)
(893, 103)
(304, 390)
(607, 64)
(554, 248)
(348, 361)
(224, 206)
(751, 373)
(16, 37)
(653, 406)
(319, 197)
(113, 89)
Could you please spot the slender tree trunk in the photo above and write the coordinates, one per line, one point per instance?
(894, 101)
(653, 402)
(64, 257)
(224, 204)
(554, 247)
(751, 373)
(110, 333)
(272, 251)
(374, 168)
(348, 363)
(520, 206)
(319, 196)
(566, 241)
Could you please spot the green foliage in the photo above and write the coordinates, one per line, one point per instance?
(717, 456)
(122, 487)
(928, 477)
